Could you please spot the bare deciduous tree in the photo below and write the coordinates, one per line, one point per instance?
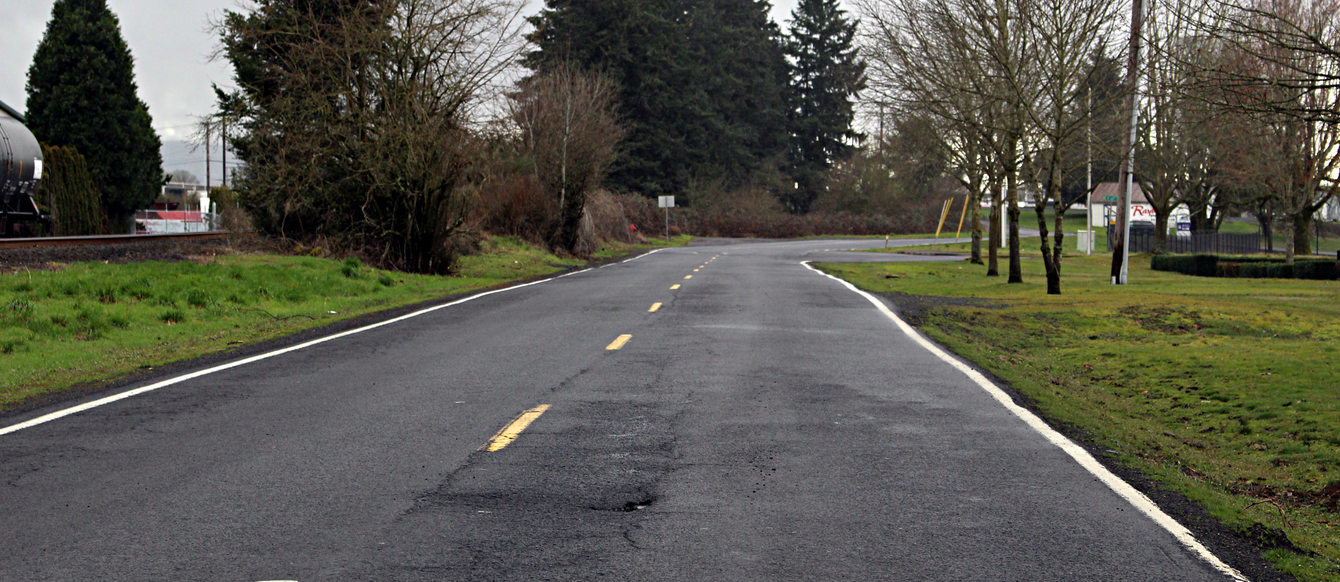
(1277, 71)
(1007, 78)
(1174, 155)
(1066, 33)
(569, 132)
(955, 60)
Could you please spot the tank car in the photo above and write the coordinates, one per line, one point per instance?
(20, 175)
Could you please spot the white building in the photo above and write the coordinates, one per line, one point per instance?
(1105, 200)
(181, 207)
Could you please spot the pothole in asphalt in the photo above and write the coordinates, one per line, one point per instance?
(638, 504)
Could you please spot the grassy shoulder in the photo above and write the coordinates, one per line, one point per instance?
(1227, 391)
(94, 322)
(613, 249)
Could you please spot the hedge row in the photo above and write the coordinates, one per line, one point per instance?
(68, 193)
(1252, 267)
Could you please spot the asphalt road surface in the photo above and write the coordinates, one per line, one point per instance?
(764, 422)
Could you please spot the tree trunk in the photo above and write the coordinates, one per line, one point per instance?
(994, 234)
(121, 223)
(1289, 251)
(1201, 221)
(1058, 249)
(1051, 262)
(1160, 233)
(1128, 138)
(1264, 219)
(1012, 200)
(1302, 241)
(977, 230)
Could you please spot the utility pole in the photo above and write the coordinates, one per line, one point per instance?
(1088, 173)
(1122, 254)
(223, 148)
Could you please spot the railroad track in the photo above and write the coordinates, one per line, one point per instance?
(110, 239)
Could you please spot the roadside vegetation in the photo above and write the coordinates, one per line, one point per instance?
(1224, 390)
(86, 323)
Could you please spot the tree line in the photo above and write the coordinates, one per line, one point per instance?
(1237, 105)
(359, 119)
(386, 127)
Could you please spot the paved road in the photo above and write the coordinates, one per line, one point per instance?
(765, 423)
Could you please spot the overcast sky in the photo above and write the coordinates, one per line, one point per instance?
(171, 44)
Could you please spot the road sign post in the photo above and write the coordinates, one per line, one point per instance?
(666, 202)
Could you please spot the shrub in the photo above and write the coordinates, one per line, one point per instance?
(69, 193)
(516, 205)
(1250, 267)
(1323, 269)
(1199, 265)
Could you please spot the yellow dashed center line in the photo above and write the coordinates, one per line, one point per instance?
(513, 430)
(688, 276)
(674, 287)
(619, 342)
(654, 307)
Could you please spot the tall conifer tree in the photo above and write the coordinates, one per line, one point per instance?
(82, 93)
(701, 84)
(827, 73)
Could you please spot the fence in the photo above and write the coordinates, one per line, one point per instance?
(1196, 242)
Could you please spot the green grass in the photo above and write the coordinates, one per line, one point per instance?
(1225, 390)
(95, 322)
(612, 249)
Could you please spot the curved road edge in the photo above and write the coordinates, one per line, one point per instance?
(1081, 456)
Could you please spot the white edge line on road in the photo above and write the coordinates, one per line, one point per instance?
(1076, 452)
(646, 254)
(179, 379)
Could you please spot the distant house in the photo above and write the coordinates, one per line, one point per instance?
(181, 207)
(1106, 198)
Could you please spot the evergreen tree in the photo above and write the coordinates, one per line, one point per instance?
(82, 93)
(700, 85)
(827, 73)
(743, 76)
(69, 193)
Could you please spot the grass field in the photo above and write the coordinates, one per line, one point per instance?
(613, 249)
(95, 322)
(1226, 390)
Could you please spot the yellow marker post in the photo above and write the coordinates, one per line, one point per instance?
(944, 213)
(619, 342)
(513, 430)
(654, 307)
(961, 215)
